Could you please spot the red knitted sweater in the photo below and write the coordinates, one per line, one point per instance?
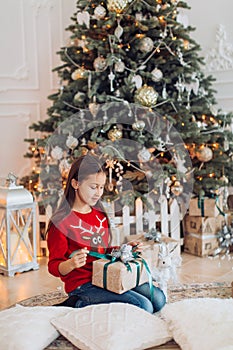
(77, 231)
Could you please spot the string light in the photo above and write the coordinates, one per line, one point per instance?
(140, 36)
(161, 19)
(186, 44)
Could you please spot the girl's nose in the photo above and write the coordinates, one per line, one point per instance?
(99, 191)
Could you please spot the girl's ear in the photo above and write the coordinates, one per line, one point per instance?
(74, 184)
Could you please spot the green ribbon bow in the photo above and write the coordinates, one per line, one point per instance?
(201, 200)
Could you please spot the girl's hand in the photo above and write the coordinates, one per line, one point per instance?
(79, 258)
(136, 246)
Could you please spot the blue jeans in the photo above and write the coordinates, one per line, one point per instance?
(139, 296)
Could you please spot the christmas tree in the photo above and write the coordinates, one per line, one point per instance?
(132, 89)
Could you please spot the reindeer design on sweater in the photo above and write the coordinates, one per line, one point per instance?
(94, 234)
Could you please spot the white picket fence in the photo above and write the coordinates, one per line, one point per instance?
(131, 221)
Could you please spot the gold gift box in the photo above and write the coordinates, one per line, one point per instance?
(118, 278)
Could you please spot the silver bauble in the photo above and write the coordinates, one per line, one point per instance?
(144, 155)
(146, 96)
(157, 74)
(177, 188)
(139, 125)
(79, 97)
(224, 179)
(146, 44)
(119, 67)
(100, 64)
(99, 12)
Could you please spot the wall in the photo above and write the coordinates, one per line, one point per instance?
(32, 31)
(214, 32)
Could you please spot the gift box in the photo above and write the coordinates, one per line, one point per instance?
(200, 245)
(151, 249)
(205, 206)
(116, 277)
(203, 225)
(229, 217)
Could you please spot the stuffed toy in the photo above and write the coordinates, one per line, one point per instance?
(166, 268)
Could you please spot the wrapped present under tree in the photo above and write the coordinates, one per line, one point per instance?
(203, 225)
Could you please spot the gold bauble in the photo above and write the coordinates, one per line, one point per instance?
(205, 154)
(115, 134)
(100, 64)
(146, 96)
(177, 188)
(94, 108)
(117, 6)
(91, 144)
(79, 73)
(146, 44)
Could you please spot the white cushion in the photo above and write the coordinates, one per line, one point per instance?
(115, 326)
(28, 328)
(204, 323)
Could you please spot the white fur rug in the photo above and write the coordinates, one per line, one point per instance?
(201, 324)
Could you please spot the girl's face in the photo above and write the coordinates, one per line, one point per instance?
(91, 189)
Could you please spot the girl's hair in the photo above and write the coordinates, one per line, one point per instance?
(81, 168)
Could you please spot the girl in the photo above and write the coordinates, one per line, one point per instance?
(80, 224)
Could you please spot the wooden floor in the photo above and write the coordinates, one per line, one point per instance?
(193, 270)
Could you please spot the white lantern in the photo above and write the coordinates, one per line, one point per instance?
(17, 229)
